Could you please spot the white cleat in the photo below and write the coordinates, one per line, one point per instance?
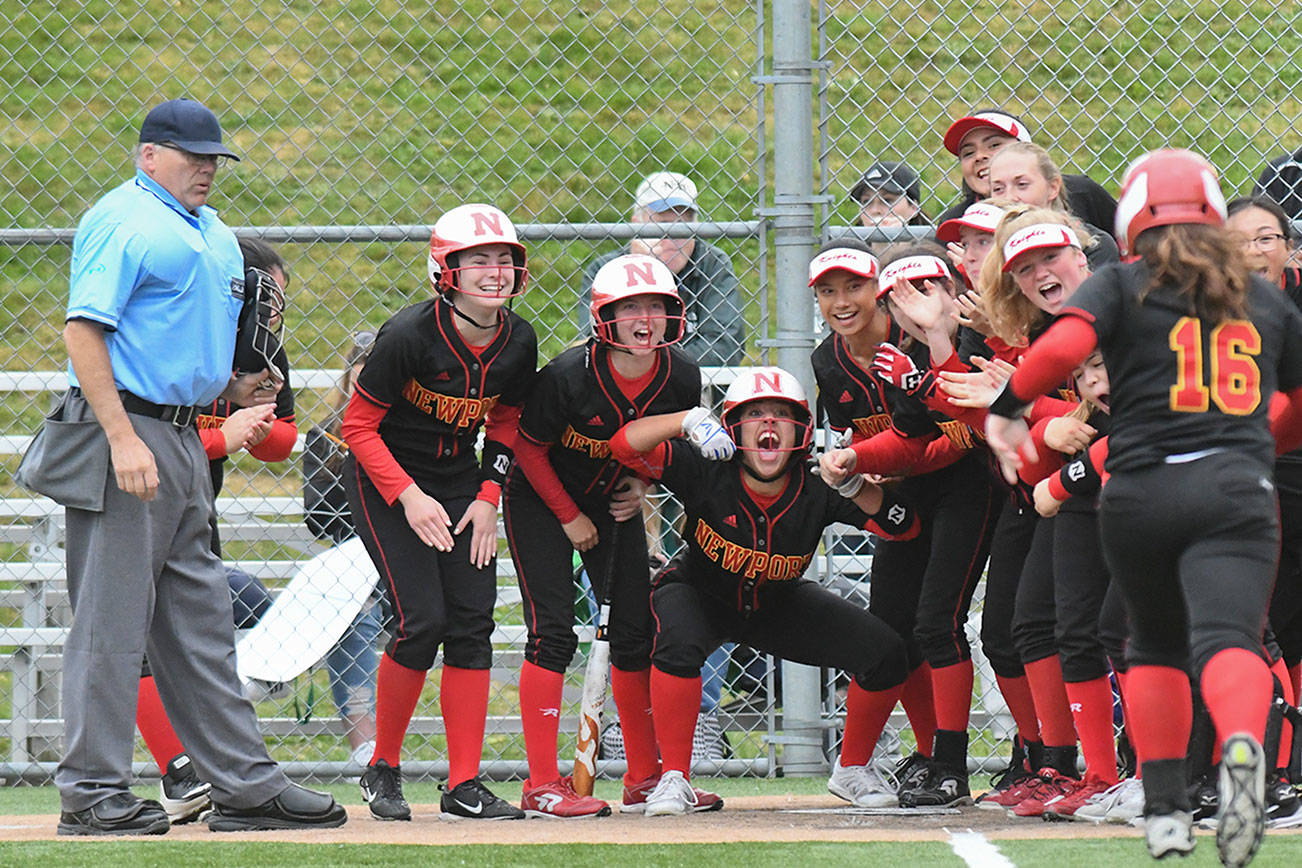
(672, 796)
(1169, 834)
(1241, 819)
(862, 786)
(1120, 803)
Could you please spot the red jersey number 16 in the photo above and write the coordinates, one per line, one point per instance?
(1235, 381)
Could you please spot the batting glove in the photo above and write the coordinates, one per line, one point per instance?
(852, 485)
(895, 367)
(704, 431)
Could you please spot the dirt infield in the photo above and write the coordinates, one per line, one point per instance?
(750, 818)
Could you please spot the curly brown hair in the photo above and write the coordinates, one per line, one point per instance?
(1012, 315)
(1201, 262)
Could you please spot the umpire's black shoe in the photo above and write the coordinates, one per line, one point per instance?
(119, 814)
(295, 808)
(382, 790)
(472, 800)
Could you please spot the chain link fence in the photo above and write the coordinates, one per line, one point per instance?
(359, 123)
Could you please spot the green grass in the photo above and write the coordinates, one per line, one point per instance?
(1080, 853)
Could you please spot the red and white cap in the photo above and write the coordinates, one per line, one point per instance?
(859, 262)
(1036, 237)
(911, 268)
(1005, 123)
(979, 215)
(1167, 186)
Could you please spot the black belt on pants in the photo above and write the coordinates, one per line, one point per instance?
(179, 415)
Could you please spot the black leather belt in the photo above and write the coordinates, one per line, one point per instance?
(178, 415)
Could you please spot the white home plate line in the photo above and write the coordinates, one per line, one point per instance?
(976, 851)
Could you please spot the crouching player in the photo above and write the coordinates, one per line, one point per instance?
(753, 524)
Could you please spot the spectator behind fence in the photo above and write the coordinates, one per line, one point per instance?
(889, 194)
(706, 282)
(352, 662)
(1281, 180)
(157, 282)
(974, 140)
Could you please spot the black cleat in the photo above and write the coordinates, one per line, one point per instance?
(472, 800)
(119, 814)
(295, 808)
(942, 788)
(183, 796)
(382, 790)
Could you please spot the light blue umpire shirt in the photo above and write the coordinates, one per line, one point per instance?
(167, 286)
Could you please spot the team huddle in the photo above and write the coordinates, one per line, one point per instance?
(1091, 424)
(1100, 446)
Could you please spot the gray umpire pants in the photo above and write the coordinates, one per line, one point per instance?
(141, 576)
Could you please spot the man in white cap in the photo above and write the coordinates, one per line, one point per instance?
(706, 282)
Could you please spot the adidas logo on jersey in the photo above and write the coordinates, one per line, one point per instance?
(730, 520)
(595, 420)
(443, 375)
(846, 397)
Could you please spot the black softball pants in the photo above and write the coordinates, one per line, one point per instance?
(798, 621)
(1008, 551)
(543, 557)
(438, 598)
(1193, 548)
(1080, 583)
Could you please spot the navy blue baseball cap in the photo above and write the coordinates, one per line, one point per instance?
(188, 124)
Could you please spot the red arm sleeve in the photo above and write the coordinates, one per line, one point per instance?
(888, 453)
(1286, 420)
(538, 469)
(503, 425)
(361, 430)
(1048, 461)
(1096, 455)
(214, 443)
(646, 464)
(1053, 357)
(973, 417)
(940, 453)
(1045, 407)
(279, 442)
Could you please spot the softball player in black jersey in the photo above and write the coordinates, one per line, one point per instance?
(426, 507)
(752, 527)
(1194, 346)
(921, 587)
(567, 492)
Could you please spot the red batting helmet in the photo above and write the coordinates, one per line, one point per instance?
(758, 384)
(468, 226)
(627, 276)
(1164, 187)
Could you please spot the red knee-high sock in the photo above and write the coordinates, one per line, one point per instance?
(1161, 711)
(1286, 734)
(675, 703)
(397, 689)
(163, 742)
(540, 717)
(1045, 678)
(919, 703)
(632, 693)
(866, 713)
(1091, 708)
(1237, 690)
(1295, 675)
(463, 699)
(952, 687)
(1017, 696)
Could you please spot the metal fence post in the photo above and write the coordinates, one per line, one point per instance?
(793, 234)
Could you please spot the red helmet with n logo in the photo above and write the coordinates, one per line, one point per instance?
(631, 275)
(767, 383)
(466, 227)
(1166, 187)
